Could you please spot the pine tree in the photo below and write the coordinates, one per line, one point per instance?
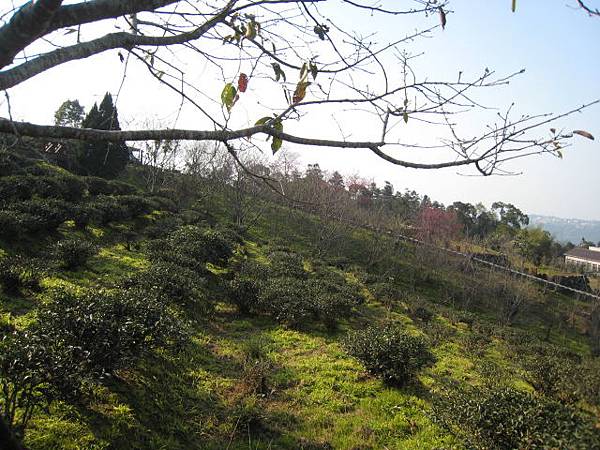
(104, 159)
(70, 113)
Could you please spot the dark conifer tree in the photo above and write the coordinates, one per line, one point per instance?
(104, 159)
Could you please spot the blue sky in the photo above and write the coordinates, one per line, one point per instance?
(558, 47)
(556, 44)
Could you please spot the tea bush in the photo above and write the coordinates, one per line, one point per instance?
(193, 247)
(504, 418)
(287, 264)
(100, 332)
(18, 273)
(16, 188)
(73, 253)
(98, 186)
(244, 293)
(25, 373)
(36, 215)
(172, 283)
(389, 352)
(109, 209)
(286, 300)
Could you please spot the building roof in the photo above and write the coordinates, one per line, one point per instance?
(584, 253)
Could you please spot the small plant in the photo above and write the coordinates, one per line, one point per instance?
(389, 352)
(193, 247)
(420, 311)
(257, 366)
(386, 293)
(74, 253)
(332, 298)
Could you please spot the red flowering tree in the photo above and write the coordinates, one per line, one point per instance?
(437, 225)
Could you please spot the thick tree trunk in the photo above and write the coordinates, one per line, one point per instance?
(7, 439)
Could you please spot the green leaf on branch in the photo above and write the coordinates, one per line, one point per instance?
(278, 72)
(514, 5)
(263, 120)
(228, 96)
(313, 70)
(277, 141)
(405, 116)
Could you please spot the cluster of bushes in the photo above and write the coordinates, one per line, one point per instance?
(36, 197)
(289, 294)
(62, 186)
(32, 216)
(78, 339)
(504, 418)
(37, 215)
(389, 352)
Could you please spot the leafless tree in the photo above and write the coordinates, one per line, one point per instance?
(300, 48)
(158, 159)
(592, 11)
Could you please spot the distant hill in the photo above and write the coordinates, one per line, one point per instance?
(568, 229)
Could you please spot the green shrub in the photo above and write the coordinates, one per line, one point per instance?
(332, 298)
(15, 225)
(11, 163)
(135, 205)
(172, 283)
(193, 247)
(74, 253)
(25, 368)
(257, 367)
(244, 293)
(109, 209)
(98, 186)
(100, 332)
(419, 310)
(122, 188)
(85, 214)
(385, 292)
(162, 227)
(61, 186)
(219, 245)
(286, 300)
(17, 273)
(163, 203)
(287, 264)
(505, 418)
(389, 352)
(16, 188)
(79, 339)
(40, 215)
(587, 380)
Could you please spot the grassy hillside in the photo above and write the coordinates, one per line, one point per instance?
(150, 323)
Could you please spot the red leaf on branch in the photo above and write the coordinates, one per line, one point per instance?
(243, 82)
